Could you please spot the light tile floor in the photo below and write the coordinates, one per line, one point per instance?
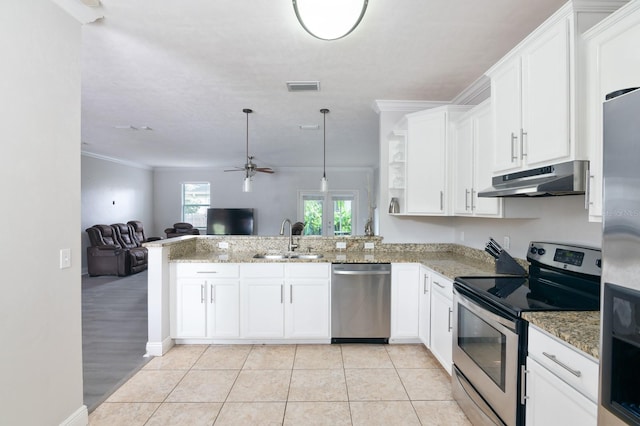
(285, 384)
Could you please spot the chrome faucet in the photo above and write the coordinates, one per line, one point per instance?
(291, 246)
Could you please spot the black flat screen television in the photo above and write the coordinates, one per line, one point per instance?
(230, 221)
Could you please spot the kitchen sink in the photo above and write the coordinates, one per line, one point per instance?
(306, 256)
(279, 256)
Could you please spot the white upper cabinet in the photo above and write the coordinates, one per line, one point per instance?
(538, 92)
(613, 63)
(428, 133)
(471, 160)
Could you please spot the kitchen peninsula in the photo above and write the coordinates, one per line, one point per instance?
(444, 260)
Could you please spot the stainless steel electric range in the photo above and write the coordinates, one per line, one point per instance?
(490, 336)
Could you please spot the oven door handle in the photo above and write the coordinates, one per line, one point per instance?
(483, 313)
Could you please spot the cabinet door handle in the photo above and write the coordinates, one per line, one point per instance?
(514, 139)
(201, 293)
(441, 200)
(450, 325)
(522, 135)
(438, 284)
(466, 199)
(553, 358)
(523, 384)
(281, 293)
(425, 290)
(212, 290)
(290, 293)
(207, 272)
(473, 197)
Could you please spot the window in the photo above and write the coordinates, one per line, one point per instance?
(196, 198)
(333, 213)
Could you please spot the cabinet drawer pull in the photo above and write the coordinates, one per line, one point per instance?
(201, 293)
(553, 358)
(438, 284)
(425, 284)
(207, 272)
(514, 139)
(450, 325)
(212, 291)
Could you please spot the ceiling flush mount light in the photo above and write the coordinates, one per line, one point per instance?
(329, 19)
(324, 186)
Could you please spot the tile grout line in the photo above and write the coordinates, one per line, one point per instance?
(395, 367)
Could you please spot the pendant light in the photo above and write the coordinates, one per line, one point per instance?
(329, 19)
(324, 186)
(246, 183)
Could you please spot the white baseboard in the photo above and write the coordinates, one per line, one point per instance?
(159, 348)
(79, 418)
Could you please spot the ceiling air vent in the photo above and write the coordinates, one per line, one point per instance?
(303, 86)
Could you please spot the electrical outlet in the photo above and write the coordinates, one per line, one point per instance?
(65, 258)
(341, 245)
(506, 242)
(223, 245)
(369, 246)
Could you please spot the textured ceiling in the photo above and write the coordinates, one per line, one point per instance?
(187, 68)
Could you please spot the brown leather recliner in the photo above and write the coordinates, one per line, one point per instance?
(137, 254)
(138, 232)
(181, 229)
(106, 256)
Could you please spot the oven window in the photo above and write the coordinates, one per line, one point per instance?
(485, 345)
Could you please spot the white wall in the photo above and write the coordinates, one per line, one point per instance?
(274, 196)
(562, 219)
(40, 310)
(114, 192)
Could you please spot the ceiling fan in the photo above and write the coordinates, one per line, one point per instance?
(250, 168)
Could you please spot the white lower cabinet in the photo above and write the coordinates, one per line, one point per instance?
(442, 320)
(307, 306)
(206, 307)
(552, 401)
(263, 308)
(289, 301)
(561, 383)
(405, 302)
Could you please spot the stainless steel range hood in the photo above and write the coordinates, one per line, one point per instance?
(568, 178)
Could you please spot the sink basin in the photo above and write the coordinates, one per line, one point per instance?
(306, 256)
(272, 256)
(279, 256)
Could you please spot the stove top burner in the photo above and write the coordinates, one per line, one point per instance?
(561, 278)
(520, 294)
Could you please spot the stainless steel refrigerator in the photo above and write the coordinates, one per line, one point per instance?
(620, 328)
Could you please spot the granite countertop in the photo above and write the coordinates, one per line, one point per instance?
(579, 329)
(446, 263)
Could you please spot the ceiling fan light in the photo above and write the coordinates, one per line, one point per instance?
(246, 184)
(329, 19)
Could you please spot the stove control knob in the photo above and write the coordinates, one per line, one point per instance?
(533, 250)
(541, 251)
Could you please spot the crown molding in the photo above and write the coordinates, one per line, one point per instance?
(116, 160)
(405, 106)
(476, 93)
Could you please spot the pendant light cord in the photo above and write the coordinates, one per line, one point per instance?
(324, 112)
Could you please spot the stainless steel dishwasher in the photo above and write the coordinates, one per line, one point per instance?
(360, 303)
